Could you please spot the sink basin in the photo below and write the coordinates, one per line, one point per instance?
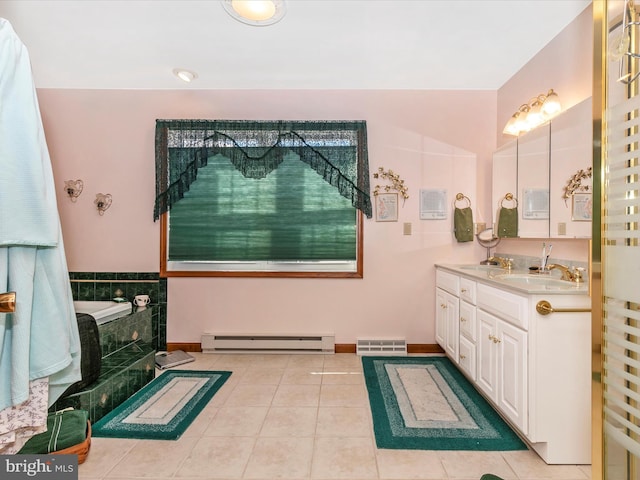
(529, 280)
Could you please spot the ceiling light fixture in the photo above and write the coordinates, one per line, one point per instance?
(185, 75)
(255, 12)
(530, 115)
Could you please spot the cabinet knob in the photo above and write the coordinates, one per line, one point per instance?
(462, 357)
(442, 305)
(463, 290)
(462, 319)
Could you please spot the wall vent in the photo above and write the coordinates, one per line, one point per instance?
(381, 346)
(267, 343)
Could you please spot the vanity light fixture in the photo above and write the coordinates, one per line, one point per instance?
(534, 113)
(258, 13)
(185, 75)
(103, 202)
(73, 189)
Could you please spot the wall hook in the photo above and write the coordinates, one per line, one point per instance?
(73, 188)
(103, 202)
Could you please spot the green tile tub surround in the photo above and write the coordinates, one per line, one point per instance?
(128, 363)
(102, 286)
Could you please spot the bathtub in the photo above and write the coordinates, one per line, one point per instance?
(103, 312)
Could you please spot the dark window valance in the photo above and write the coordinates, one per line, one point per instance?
(336, 150)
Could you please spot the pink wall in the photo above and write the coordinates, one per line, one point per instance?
(565, 64)
(433, 139)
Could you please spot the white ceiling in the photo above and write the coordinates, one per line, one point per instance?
(320, 44)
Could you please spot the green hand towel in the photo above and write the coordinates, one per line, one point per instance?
(508, 222)
(64, 429)
(463, 224)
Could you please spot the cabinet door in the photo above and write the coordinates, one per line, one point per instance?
(512, 373)
(468, 321)
(467, 355)
(487, 354)
(447, 326)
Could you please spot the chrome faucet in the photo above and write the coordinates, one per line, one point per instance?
(503, 262)
(570, 274)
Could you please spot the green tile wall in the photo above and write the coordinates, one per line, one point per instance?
(100, 286)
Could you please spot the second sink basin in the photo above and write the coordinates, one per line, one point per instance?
(534, 280)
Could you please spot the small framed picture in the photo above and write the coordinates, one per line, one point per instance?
(386, 207)
(581, 207)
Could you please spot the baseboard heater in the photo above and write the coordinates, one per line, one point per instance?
(267, 343)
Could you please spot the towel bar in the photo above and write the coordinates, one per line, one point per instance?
(544, 308)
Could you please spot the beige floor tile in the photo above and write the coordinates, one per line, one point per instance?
(343, 396)
(217, 457)
(344, 422)
(301, 376)
(528, 465)
(344, 458)
(290, 422)
(103, 455)
(342, 362)
(236, 421)
(201, 422)
(343, 378)
(314, 362)
(297, 396)
(406, 464)
(469, 465)
(280, 458)
(153, 458)
(251, 395)
(261, 376)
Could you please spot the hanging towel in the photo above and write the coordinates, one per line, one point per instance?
(508, 222)
(463, 224)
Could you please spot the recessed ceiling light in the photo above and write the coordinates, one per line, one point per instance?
(255, 12)
(185, 75)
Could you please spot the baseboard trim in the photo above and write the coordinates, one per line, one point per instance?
(185, 347)
(340, 347)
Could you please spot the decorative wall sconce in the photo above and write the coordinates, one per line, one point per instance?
(533, 114)
(396, 183)
(103, 202)
(73, 188)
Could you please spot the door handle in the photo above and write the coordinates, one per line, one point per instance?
(8, 302)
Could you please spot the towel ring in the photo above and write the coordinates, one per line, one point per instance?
(509, 198)
(460, 197)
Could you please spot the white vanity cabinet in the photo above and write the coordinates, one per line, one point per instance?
(534, 369)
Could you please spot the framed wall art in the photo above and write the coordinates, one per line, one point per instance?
(581, 207)
(386, 207)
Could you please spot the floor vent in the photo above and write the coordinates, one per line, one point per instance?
(381, 346)
(268, 343)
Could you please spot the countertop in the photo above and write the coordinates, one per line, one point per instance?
(519, 281)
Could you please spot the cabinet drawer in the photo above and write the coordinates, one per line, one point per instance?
(448, 281)
(503, 304)
(468, 321)
(468, 290)
(467, 358)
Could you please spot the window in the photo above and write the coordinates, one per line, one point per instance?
(261, 198)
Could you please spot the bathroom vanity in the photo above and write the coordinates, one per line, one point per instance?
(534, 368)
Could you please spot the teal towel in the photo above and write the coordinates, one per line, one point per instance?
(463, 224)
(508, 222)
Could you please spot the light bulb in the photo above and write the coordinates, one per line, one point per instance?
(257, 10)
(551, 105)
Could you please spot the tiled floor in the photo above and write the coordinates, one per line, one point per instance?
(296, 417)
